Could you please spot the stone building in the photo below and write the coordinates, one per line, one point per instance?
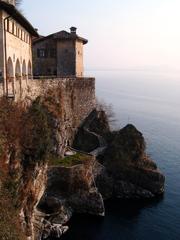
(16, 35)
(59, 55)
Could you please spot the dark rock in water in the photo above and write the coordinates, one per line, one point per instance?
(127, 146)
(132, 170)
(90, 202)
(125, 170)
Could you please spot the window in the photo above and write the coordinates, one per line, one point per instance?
(8, 25)
(13, 31)
(41, 53)
(27, 38)
(18, 32)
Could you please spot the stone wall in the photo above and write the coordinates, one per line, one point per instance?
(75, 98)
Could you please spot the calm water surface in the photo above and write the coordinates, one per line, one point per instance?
(150, 101)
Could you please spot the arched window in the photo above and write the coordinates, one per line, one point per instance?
(29, 70)
(10, 71)
(18, 77)
(10, 77)
(18, 70)
(24, 72)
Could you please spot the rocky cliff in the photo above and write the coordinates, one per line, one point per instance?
(102, 165)
(50, 115)
(53, 180)
(117, 167)
(123, 169)
(70, 189)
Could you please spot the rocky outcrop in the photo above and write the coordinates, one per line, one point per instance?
(132, 170)
(124, 169)
(70, 190)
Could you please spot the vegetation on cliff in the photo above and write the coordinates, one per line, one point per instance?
(25, 142)
(28, 140)
(9, 224)
(70, 161)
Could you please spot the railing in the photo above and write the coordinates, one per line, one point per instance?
(59, 77)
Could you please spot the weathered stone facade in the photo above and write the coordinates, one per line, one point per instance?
(41, 65)
(15, 49)
(59, 54)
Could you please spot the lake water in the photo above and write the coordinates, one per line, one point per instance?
(150, 101)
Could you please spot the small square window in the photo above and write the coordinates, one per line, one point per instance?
(42, 53)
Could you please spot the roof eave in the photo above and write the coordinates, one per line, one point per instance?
(12, 10)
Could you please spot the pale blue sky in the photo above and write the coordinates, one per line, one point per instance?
(121, 33)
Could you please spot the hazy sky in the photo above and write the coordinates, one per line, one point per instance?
(121, 33)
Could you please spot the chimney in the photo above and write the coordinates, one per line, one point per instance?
(73, 30)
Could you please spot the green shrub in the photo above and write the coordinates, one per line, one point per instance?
(69, 161)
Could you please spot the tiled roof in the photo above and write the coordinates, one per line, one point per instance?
(62, 35)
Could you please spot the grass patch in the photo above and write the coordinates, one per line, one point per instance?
(69, 161)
